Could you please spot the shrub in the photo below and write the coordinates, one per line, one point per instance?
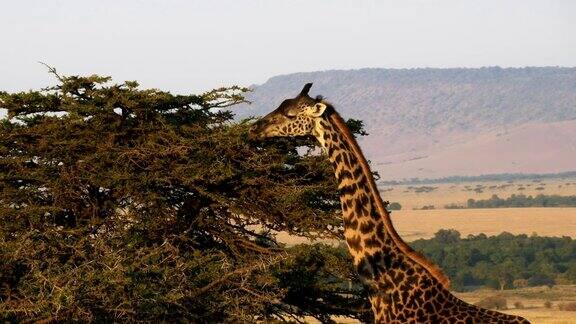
(540, 280)
(423, 189)
(453, 206)
(539, 200)
(548, 304)
(520, 283)
(493, 302)
(394, 206)
(518, 305)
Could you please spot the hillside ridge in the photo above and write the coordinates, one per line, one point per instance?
(416, 113)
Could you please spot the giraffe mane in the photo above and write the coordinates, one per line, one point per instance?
(340, 124)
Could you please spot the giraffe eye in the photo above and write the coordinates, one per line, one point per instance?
(292, 113)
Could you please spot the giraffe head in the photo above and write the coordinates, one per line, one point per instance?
(299, 116)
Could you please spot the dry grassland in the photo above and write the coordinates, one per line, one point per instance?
(414, 224)
(439, 195)
(533, 300)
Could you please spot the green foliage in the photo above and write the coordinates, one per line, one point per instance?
(122, 204)
(449, 236)
(453, 206)
(503, 261)
(356, 126)
(523, 201)
(321, 282)
(394, 206)
(425, 189)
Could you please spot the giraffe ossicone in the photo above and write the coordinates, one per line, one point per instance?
(403, 285)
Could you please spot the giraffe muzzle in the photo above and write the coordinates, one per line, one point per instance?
(255, 132)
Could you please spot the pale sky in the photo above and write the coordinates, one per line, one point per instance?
(190, 46)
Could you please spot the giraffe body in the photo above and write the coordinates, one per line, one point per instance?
(403, 286)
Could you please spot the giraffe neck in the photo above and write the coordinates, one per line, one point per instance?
(362, 220)
(402, 285)
(376, 248)
(367, 224)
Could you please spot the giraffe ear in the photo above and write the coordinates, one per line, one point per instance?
(305, 90)
(318, 109)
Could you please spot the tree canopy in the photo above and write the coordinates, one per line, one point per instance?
(523, 201)
(121, 203)
(503, 261)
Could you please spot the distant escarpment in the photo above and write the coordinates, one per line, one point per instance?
(442, 122)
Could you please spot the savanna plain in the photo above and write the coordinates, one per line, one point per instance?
(427, 208)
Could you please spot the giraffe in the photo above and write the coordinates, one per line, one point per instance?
(403, 286)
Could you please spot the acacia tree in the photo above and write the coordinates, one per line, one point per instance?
(118, 203)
